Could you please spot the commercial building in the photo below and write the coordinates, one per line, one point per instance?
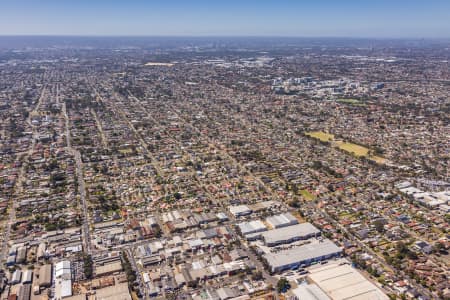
(45, 276)
(115, 292)
(24, 292)
(21, 255)
(286, 235)
(282, 220)
(16, 276)
(302, 255)
(41, 251)
(63, 288)
(11, 260)
(251, 230)
(63, 284)
(150, 260)
(309, 292)
(341, 281)
(239, 210)
(27, 276)
(62, 269)
(76, 297)
(252, 227)
(107, 269)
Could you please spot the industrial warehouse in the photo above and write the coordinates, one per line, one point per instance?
(282, 220)
(340, 281)
(303, 255)
(290, 234)
(251, 230)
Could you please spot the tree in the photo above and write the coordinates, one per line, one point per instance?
(257, 275)
(438, 247)
(131, 274)
(401, 247)
(88, 266)
(294, 203)
(283, 285)
(379, 226)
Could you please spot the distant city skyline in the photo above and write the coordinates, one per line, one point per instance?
(322, 18)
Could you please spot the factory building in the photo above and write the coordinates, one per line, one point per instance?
(302, 256)
(251, 230)
(45, 276)
(340, 281)
(282, 220)
(290, 234)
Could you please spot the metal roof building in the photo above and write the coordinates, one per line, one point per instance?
(11, 261)
(252, 227)
(115, 292)
(27, 276)
(21, 255)
(41, 250)
(286, 235)
(240, 210)
(282, 220)
(76, 297)
(310, 292)
(24, 292)
(108, 268)
(16, 276)
(302, 255)
(62, 269)
(13, 250)
(341, 281)
(63, 288)
(45, 276)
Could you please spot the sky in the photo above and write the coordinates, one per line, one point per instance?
(296, 18)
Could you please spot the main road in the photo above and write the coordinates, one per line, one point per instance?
(81, 183)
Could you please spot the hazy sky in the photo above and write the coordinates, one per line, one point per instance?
(342, 18)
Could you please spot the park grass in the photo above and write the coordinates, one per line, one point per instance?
(350, 101)
(126, 151)
(344, 214)
(324, 137)
(307, 195)
(353, 148)
(360, 151)
(436, 230)
(377, 159)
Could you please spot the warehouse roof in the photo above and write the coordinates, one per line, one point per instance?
(344, 282)
(65, 264)
(62, 269)
(301, 253)
(63, 288)
(252, 227)
(310, 292)
(45, 275)
(283, 219)
(115, 292)
(108, 268)
(27, 276)
(289, 232)
(76, 297)
(239, 210)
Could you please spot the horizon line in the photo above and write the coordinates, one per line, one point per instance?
(227, 36)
